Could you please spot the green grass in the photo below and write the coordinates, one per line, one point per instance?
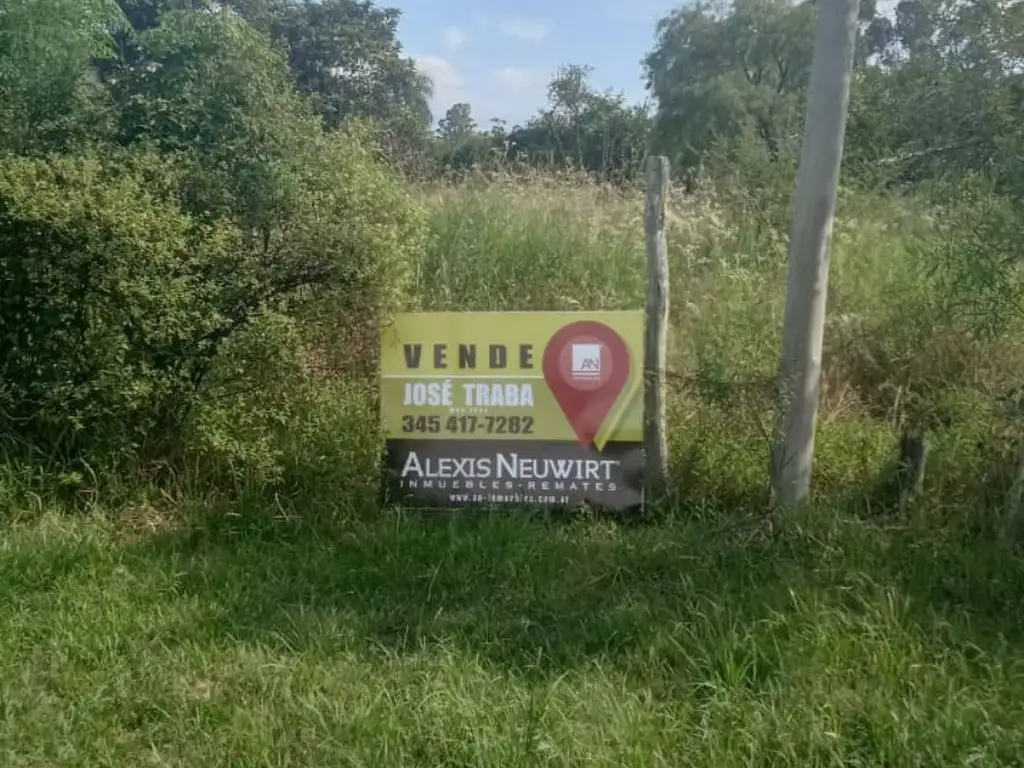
(261, 610)
(500, 641)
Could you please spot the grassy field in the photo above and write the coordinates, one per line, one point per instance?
(284, 620)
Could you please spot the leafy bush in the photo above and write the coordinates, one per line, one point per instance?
(111, 303)
(226, 211)
(214, 91)
(47, 98)
(115, 302)
(978, 272)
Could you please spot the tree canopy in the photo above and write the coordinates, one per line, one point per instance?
(168, 183)
(937, 85)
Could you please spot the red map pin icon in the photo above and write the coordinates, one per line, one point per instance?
(586, 365)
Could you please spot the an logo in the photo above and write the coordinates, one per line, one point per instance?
(586, 365)
(586, 361)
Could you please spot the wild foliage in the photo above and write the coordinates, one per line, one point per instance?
(199, 236)
(208, 199)
(153, 628)
(47, 98)
(254, 134)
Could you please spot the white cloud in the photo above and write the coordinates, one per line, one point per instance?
(529, 30)
(448, 83)
(454, 38)
(515, 94)
(517, 80)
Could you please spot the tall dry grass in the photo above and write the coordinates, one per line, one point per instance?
(893, 354)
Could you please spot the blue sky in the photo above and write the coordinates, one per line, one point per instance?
(499, 56)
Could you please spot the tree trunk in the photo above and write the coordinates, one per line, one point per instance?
(817, 184)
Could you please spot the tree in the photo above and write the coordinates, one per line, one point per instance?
(459, 144)
(48, 98)
(346, 56)
(807, 288)
(731, 84)
(124, 271)
(211, 90)
(941, 53)
(727, 76)
(457, 123)
(208, 86)
(598, 132)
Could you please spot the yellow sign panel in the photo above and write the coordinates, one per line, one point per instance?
(464, 391)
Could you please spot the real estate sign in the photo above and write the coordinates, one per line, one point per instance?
(496, 408)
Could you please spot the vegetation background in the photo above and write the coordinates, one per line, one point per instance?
(206, 210)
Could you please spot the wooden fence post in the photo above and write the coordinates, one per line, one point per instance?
(656, 328)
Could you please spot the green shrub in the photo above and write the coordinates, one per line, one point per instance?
(47, 99)
(111, 304)
(116, 304)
